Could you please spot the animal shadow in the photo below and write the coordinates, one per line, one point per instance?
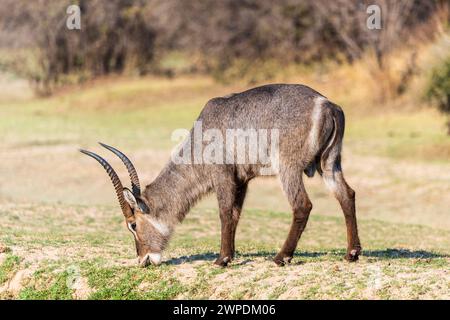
(393, 253)
(390, 253)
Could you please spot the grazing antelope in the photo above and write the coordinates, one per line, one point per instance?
(310, 132)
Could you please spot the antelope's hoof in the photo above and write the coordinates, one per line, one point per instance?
(281, 260)
(353, 255)
(222, 261)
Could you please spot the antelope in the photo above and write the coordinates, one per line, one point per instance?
(311, 130)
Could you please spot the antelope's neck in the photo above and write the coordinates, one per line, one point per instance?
(176, 190)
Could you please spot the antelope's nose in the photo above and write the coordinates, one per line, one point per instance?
(145, 261)
(153, 258)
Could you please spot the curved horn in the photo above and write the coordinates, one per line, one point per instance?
(135, 185)
(114, 179)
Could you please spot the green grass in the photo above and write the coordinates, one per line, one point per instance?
(52, 286)
(420, 254)
(132, 111)
(130, 283)
(416, 135)
(8, 267)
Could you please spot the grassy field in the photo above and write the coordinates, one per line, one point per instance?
(62, 235)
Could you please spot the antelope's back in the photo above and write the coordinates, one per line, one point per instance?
(301, 117)
(286, 107)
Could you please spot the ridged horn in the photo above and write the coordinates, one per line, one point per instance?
(114, 179)
(135, 185)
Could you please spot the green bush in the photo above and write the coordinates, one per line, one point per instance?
(438, 90)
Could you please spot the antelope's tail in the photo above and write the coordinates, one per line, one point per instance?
(332, 151)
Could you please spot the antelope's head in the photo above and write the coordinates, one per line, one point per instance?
(150, 235)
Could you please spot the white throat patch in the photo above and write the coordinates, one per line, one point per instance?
(162, 228)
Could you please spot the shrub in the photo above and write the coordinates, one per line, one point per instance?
(438, 90)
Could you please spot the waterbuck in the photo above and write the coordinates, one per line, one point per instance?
(310, 130)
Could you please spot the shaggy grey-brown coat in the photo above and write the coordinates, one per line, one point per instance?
(309, 129)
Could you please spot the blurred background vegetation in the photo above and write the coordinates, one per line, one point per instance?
(248, 40)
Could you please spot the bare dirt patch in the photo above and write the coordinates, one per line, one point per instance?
(15, 284)
(81, 288)
(186, 273)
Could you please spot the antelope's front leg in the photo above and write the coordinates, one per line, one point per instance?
(227, 197)
(226, 242)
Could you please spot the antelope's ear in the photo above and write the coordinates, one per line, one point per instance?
(130, 198)
(135, 203)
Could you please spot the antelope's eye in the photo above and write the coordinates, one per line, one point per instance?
(133, 226)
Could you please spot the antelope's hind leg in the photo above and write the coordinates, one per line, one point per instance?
(335, 182)
(301, 207)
